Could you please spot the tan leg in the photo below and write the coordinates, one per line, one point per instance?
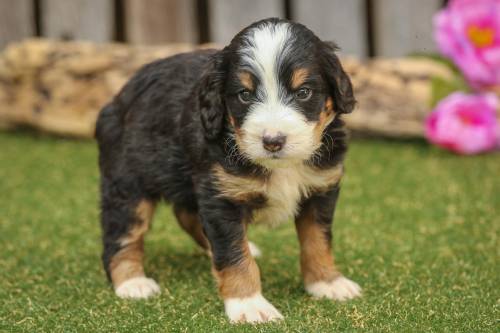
(321, 277)
(240, 288)
(126, 266)
(190, 222)
(316, 260)
(239, 280)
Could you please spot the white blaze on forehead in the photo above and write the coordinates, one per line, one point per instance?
(267, 44)
(264, 49)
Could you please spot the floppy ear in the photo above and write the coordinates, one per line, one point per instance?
(210, 100)
(339, 82)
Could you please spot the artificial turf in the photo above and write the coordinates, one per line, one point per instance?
(416, 227)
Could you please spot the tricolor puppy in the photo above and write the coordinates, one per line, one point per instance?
(249, 134)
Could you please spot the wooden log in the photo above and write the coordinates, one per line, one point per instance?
(394, 94)
(59, 87)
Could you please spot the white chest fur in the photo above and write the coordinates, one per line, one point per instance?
(283, 189)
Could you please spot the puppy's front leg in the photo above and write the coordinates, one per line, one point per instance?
(314, 223)
(235, 270)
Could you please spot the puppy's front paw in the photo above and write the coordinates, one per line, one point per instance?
(340, 289)
(254, 309)
(138, 287)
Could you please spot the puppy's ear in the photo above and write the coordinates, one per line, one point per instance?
(339, 83)
(210, 100)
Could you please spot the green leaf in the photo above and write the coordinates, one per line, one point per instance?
(442, 87)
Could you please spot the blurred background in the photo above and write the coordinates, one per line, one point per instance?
(364, 28)
(62, 60)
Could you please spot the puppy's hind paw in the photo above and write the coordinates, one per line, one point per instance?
(340, 289)
(138, 287)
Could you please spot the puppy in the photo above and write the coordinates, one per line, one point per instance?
(248, 134)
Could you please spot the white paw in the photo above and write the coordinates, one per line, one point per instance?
(339, 289)
(254, 250)
(138, 287)
(254, 309)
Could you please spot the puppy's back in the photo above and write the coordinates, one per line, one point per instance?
(151, 101)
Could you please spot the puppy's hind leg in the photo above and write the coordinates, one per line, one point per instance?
(124, 224)
(189, 221)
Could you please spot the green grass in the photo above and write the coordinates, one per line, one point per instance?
(416, 227)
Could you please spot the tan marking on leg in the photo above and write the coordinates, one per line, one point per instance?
(190, 222)
(316, 259)
(127, 263)
(144, 214)
(240, 280)
(299, 76)
(246, 80)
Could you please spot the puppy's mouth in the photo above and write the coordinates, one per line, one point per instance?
(275, 156)
(270, 157)
(277, 160)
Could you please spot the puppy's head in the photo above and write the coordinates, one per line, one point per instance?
(279, 87)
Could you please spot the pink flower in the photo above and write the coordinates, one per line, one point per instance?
(466, 124)
(468, 31)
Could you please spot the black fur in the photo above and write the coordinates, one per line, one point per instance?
(162, 134)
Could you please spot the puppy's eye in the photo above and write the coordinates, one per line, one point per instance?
(245, 96)
(303, 94)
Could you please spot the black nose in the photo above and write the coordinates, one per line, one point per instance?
(274, 143)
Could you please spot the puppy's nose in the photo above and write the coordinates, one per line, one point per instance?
(274, 143)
